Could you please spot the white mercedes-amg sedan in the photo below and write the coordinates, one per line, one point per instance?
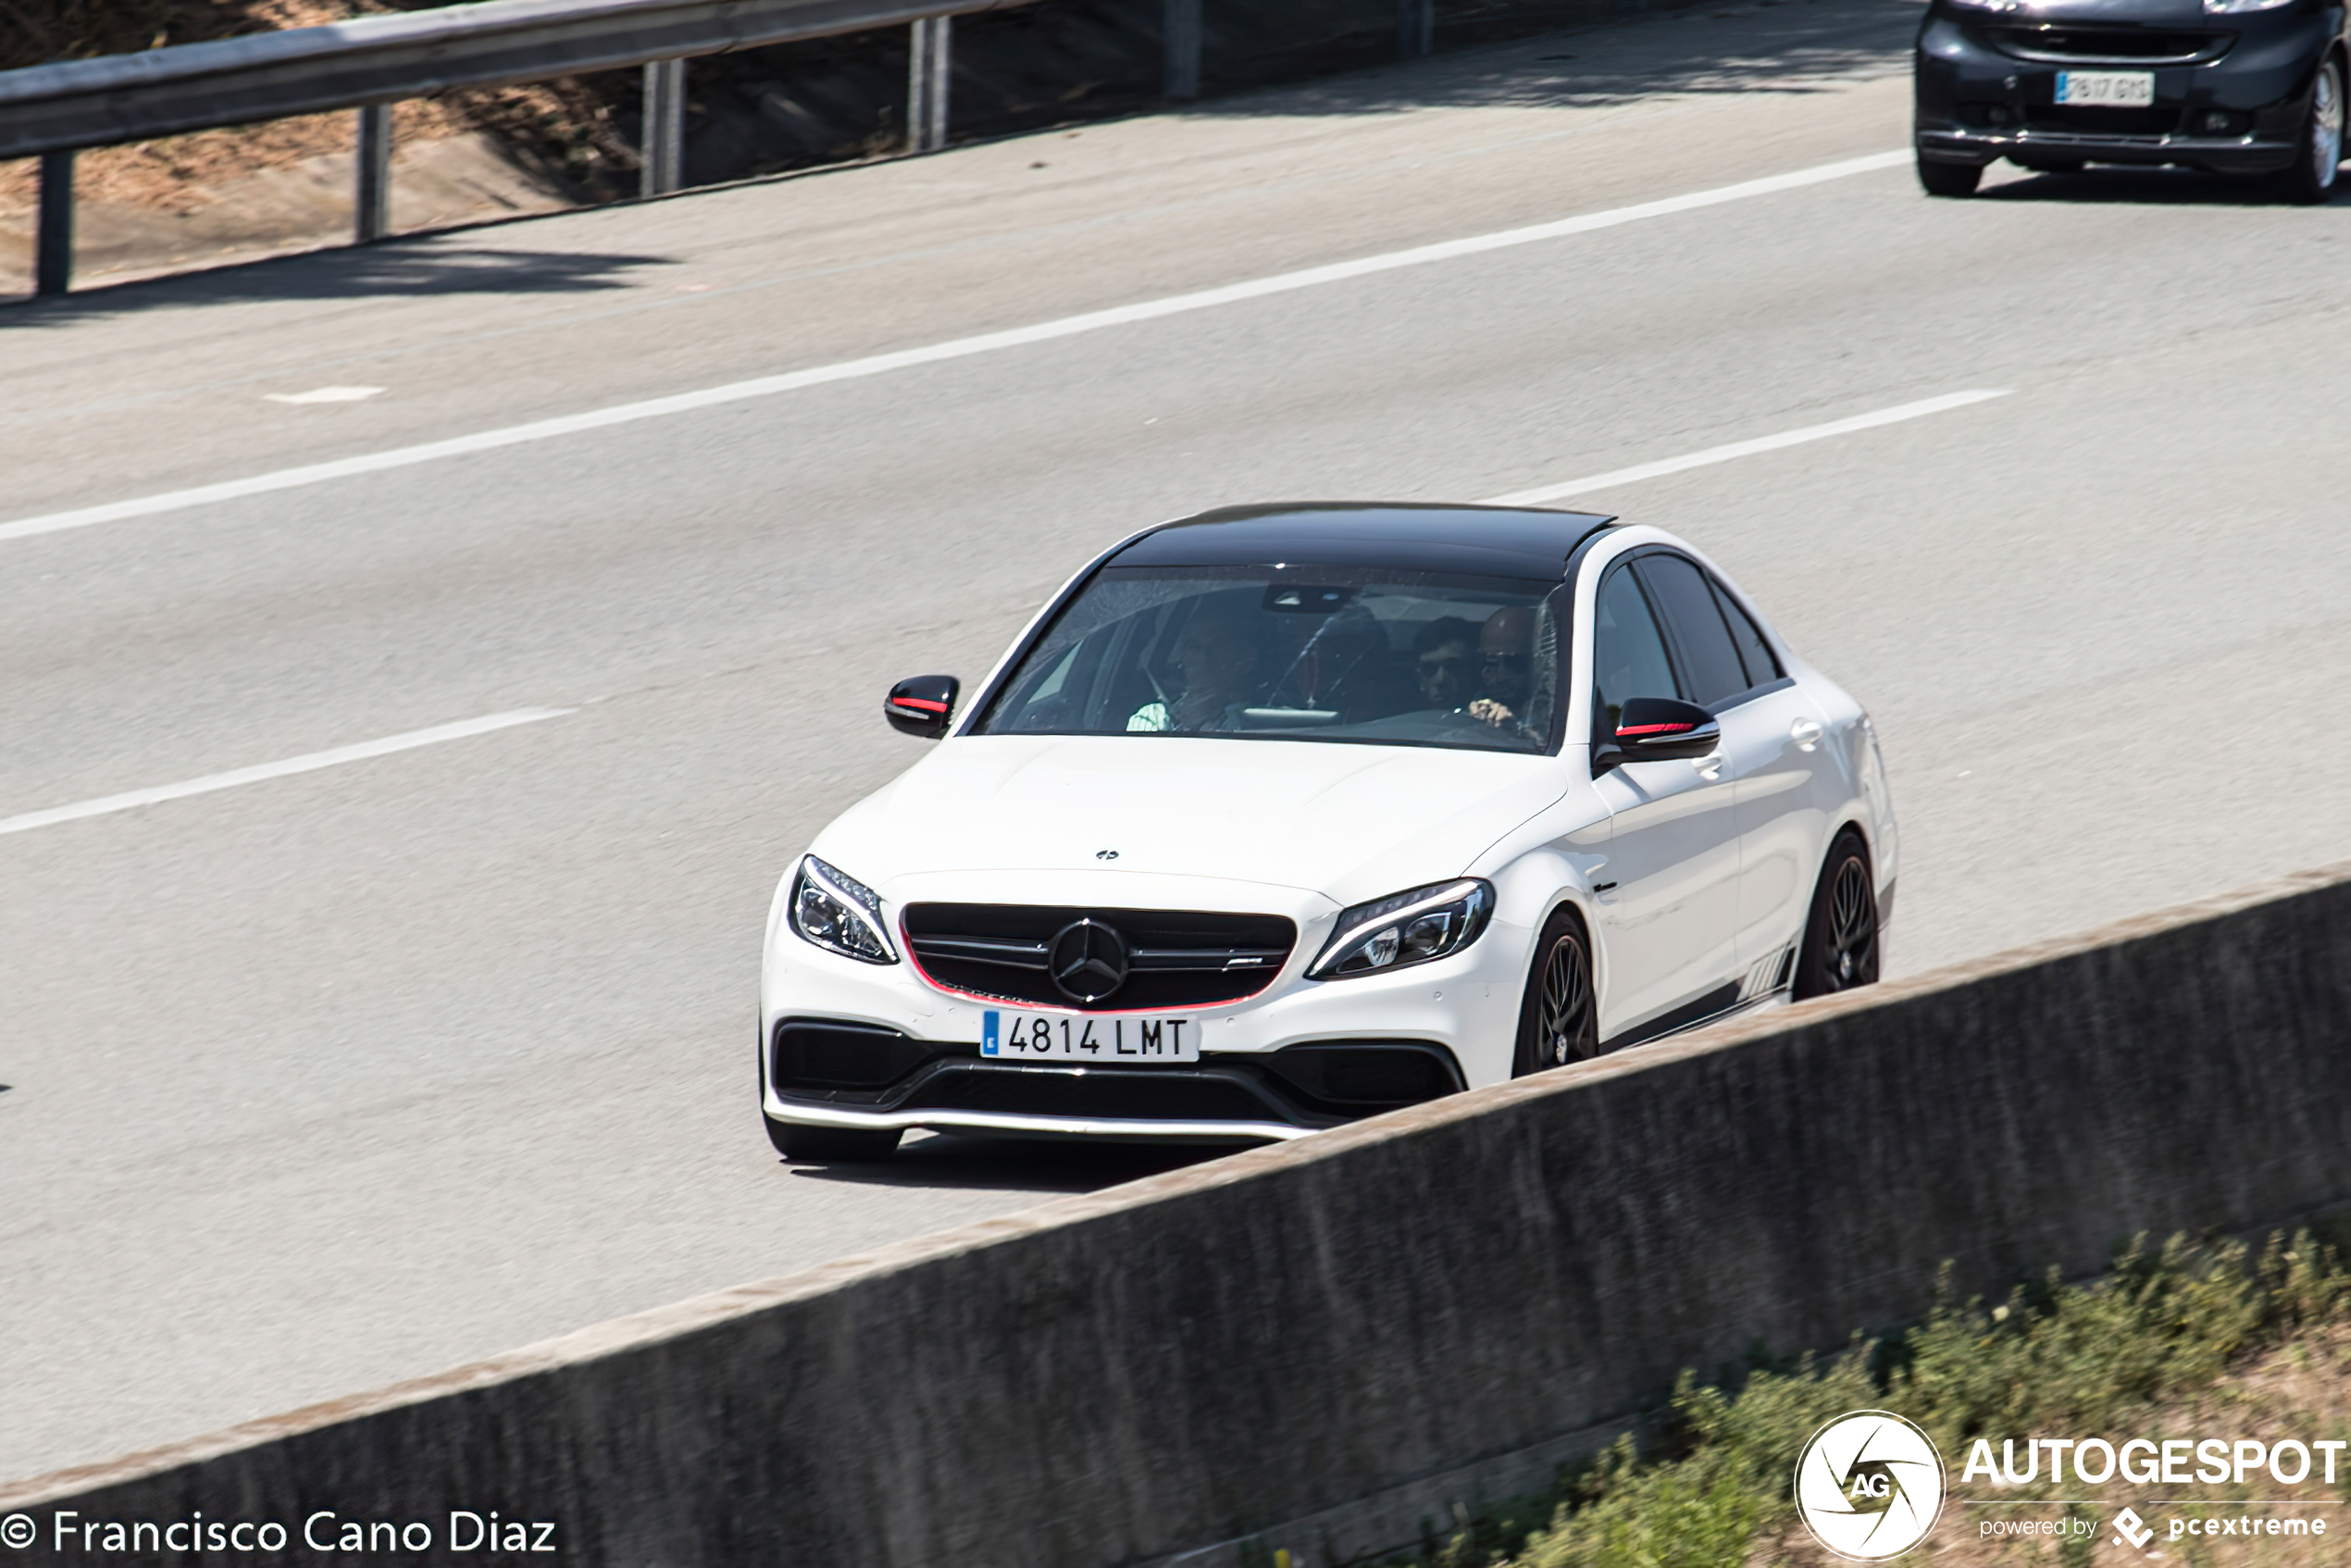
(1280, 816)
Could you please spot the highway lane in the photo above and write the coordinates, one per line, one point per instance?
(343, 1076)
(134, 390)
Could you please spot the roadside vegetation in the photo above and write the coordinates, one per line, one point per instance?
(2186, 1341)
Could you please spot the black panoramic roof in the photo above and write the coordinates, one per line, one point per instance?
(1515, 541)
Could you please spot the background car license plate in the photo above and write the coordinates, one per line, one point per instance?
(2113, 89)
(1074, 1038)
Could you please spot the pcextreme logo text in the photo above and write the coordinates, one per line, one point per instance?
(1871, 1485)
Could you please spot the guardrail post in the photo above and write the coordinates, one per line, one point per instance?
(927, 86)
(1181, 80)
(53, 244)
(371, 197)
(665, 134)
(1416, 27)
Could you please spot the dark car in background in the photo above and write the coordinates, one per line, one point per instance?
(2252, 87)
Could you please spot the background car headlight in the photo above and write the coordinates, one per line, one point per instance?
(1407, 928)
(839, 914)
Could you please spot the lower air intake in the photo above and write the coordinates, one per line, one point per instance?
(1159, 1095)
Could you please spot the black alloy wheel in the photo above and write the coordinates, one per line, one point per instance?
(2311, 179)
(1950, 179)
(1840, 940)
(1559, 1020)
(829, 1146)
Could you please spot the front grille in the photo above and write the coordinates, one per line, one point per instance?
(2074, 121)
(1152, 1095)
(1172, 958)
(2142, 46)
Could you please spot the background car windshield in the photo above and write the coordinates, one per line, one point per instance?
(1318, 653)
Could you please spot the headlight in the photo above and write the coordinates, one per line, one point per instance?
(1409, 927)
(839, 914)
(2222, 8)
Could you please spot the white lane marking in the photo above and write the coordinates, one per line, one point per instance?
(325, 395)
(956, 348)
(308, 763)
(1893, 416)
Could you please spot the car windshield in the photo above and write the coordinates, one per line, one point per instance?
(1295, 653)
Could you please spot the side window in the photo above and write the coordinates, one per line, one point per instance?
(1762, 666)
(1628, 654)
(1688, 606)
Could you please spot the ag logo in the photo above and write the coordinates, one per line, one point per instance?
(1869, 1485)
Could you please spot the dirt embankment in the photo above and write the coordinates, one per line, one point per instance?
(216, 195)
(559, 132)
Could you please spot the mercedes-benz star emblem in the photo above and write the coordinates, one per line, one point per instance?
(1088, 960)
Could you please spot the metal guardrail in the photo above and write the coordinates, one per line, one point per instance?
(369, 63)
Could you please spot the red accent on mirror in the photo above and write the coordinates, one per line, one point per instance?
(923, 703)
(1655, 729)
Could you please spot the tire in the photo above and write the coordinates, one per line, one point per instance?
(2311, 179)
(1558, 1019)
(1840, 948)
(1950, 179)
(829, 1146)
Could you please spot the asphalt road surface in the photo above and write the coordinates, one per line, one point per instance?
(323, 1079)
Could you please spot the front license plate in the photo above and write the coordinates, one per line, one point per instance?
(1062, 1036)
(2107, 88)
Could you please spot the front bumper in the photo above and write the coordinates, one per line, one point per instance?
(1977, 99)
(1009, 1124)
(2029, 148)
(1222, 1099)
(1262, 1058)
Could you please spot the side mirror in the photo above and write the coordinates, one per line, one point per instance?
(924, 705)
(1656, 730)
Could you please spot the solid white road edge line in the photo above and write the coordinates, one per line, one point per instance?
(1893, 416)
(956, 348)
(308, 763)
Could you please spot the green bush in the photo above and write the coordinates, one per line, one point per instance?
(2054, 1356)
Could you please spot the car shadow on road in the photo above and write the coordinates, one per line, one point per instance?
(2143, 187)
(1013, 1166)
(383, 271)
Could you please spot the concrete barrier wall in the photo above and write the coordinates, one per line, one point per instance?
(1128, 1375)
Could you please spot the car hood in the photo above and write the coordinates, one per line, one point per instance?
(1351, 822)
